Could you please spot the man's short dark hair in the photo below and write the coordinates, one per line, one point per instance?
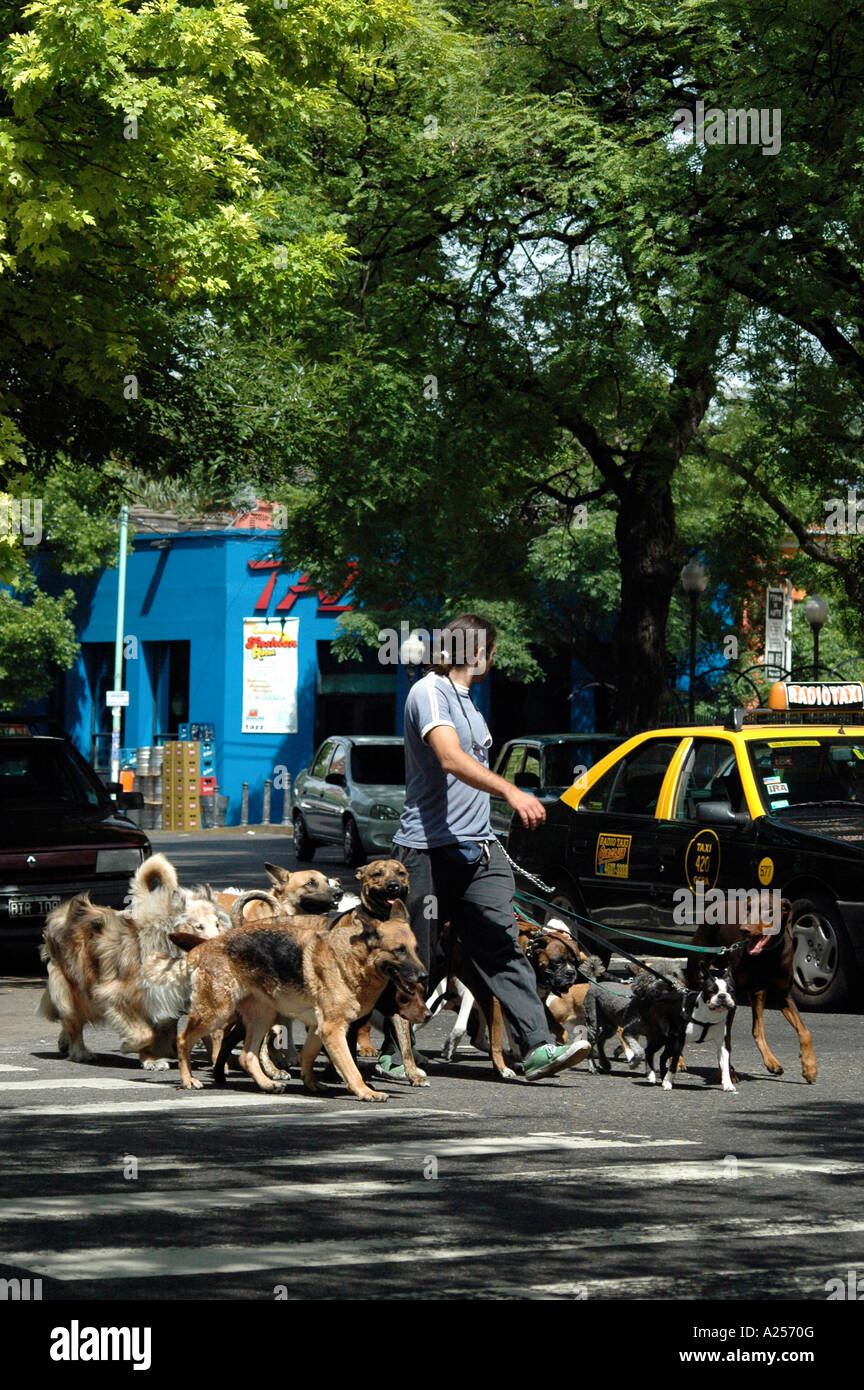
(463, 640)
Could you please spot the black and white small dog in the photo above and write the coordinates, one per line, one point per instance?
(675, 1017)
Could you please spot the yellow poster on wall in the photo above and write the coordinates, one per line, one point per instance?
(270, 675)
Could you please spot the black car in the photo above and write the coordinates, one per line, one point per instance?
(546, 765)
(764, 806)
(60, 832)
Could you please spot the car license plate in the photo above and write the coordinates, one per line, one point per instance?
(32, 907)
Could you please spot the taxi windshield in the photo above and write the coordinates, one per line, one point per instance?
(805, 770)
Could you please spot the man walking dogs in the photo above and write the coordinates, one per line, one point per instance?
(458, 870)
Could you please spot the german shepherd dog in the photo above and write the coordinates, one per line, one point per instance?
(381, 883)
(306, 891)
(293, 894)
(327, 976)
(123, 968)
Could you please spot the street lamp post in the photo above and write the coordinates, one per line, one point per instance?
(412, 653)
(694, 578)
(116, 710)
(816, 613)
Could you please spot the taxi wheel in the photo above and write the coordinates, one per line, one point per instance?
(304, 850)
(823, 967)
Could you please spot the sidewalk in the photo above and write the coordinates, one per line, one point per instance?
(231, 832)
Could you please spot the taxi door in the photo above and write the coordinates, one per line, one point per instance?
(612, 839)
(702, 851)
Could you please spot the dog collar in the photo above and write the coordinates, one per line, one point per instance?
(691, 1001)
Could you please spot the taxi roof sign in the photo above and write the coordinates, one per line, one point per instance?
(795, 695)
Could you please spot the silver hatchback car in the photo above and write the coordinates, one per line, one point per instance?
(351, 794)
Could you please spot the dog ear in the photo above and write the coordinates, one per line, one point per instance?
(276, 875)
(360, 872)
(399, 910)
(79, 906)
(368, 933)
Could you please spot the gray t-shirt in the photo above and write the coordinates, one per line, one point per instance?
(439, 809)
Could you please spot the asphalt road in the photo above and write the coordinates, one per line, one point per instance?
(118, 1186)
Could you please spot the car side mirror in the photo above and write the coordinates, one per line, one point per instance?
(717, 813)
(336, 779)
(130, 801)
(526, 779)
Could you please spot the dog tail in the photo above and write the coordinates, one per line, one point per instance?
(156, 872)
(46, 1007)
(254, 895)
(186, 940)
(58, 998)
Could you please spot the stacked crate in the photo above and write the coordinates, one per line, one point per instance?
(180, 791)
(148, 781)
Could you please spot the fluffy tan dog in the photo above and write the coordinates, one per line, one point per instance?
(123, 968)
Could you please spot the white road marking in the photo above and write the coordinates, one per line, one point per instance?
(471, 1148)
(7, 1066)
(70, 1083)
(172, 1103)
(195, 1106)
(807, 1281)
(135, 1199)
(299, 1256)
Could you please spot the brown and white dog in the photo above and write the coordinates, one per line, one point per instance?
(123, 969)
(554, 957)
(327, 975)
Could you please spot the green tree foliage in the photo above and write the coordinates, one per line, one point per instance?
(553, 257)
(154, 188)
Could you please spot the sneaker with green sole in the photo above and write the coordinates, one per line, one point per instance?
(394, 1071)
(548, 1060)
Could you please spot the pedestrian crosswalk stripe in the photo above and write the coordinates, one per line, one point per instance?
(407, 1152)
(194, 1106)
(299, 1256)
(8, 1066)
(70, 1083)
(135, 1200)
(173, 1101)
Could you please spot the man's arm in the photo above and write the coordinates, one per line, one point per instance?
(444, 742)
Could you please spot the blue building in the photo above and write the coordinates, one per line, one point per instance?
(217, 632)
(194, 593)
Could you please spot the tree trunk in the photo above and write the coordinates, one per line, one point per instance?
(645, 534)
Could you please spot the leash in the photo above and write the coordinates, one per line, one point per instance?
(568, 912)
(673, 984)
(619, 931)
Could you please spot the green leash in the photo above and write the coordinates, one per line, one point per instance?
(619, 931)
(619, 991)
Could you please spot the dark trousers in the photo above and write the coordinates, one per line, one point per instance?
(477, 901)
